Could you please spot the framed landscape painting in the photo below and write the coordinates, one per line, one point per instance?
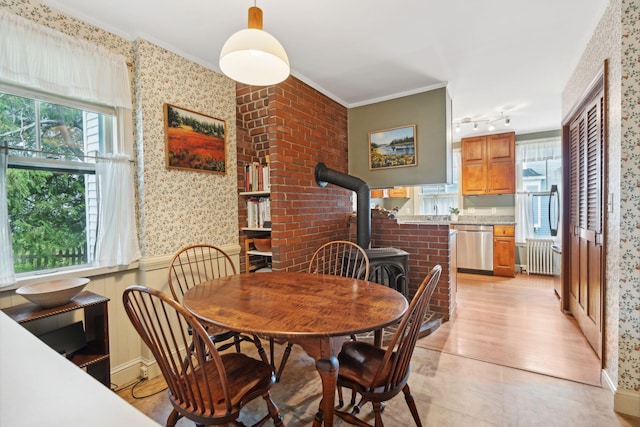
(392, 148)
(194, 141)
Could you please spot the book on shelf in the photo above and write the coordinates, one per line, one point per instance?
(256, 177)
(264, 211)
(258, 212)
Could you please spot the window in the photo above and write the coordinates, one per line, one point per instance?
(437, 199)
(539, 167)
(537, 178)
(58, 149)
(52, 191)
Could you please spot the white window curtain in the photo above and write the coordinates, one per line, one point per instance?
(524, 227)
(538, 149)
(39, 57)
(117, 242)
(7, 274)
(530, 151)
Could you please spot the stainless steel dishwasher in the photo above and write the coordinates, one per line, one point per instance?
(475, 248)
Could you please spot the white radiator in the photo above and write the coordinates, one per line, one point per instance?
(539, 256)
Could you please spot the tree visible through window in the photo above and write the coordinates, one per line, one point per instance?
(47, 219)
(51, 186)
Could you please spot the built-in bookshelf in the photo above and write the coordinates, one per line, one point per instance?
(254, 258)
(257, 196)
(256, 178)
(258, 210)
(258, 225)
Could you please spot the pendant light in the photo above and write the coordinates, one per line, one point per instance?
(253, 56)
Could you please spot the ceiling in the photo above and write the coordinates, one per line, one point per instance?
(497, 57)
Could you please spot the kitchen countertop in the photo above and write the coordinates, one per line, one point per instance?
(462, 219)
(35, 375)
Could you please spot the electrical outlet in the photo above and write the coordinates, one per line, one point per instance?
(493, 210)
(144, 372)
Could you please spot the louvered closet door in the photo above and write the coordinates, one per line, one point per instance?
(586, 217)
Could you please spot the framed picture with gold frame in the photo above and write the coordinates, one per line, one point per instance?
(194, 141)
(393, 148)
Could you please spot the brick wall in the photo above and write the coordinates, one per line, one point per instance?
(297, 127)
(427, 245)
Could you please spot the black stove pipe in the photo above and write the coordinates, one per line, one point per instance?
(325, 175)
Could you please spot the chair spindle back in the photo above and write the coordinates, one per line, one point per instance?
(340, 258)
(163, 324)
(196, 264)
(394, 369)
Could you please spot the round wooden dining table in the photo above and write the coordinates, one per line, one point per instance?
(316, 311)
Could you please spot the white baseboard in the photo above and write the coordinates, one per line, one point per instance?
(627, 402)
(129, 372)
(624, 401)
(125, 374)
(153, 369)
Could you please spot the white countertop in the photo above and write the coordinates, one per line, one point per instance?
(462, 219)
(39, 387)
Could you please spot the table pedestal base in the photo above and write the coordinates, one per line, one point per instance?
(324, 351)
(328, 370)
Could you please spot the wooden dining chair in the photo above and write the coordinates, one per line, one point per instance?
(336, 258)
(196, 264)
(340, 258)
(204, 385)
(378, 374)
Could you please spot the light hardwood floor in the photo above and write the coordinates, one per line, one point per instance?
(516, 322)
(451, 389)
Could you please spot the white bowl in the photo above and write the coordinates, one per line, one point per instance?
(53, 293)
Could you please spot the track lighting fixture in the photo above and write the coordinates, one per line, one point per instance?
(477, 124)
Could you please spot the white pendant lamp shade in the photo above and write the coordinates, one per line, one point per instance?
(253, 56)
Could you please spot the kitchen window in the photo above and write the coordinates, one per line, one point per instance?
(51, 183)
(438, 199)
(539, 167)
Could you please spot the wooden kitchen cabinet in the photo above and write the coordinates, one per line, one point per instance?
(488, 164)
(504, 250)
(400, 192)
(377, 193)
(390, 193)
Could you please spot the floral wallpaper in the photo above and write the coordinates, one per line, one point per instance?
(605, 44)
(617, 39)
(629, 322)
(181, 207)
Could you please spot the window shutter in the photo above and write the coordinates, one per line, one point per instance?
(594, 167)
(575, 134)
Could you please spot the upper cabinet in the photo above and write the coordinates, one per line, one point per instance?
(488, 164)
(390, 193)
